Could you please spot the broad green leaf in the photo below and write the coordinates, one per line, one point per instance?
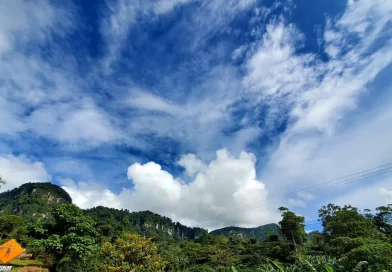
(328, 269)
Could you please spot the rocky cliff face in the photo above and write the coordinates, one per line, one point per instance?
(145, 223)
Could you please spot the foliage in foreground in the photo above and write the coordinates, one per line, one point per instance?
(73, 241)
(130, 253)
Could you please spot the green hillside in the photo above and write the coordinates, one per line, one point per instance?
(33, 201)
(260, 232)
(111, 221)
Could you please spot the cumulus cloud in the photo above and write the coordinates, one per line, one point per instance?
(192, 164)
(17, 170)
(387, 194)
(226, 183)
(89, 194)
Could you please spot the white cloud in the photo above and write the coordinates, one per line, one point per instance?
(239, 52)
(120, 20)
(19, 170)
(323, 140)
(319, 93)
(275, 69)
(164, 6)
(297, 202)
(17, 17)
(21, 23)
(387, 194)
(370, 194)
(313, 158)
(148, 101)
(89, 194)
(192, 164)
(301, 199)
(72, 122)
(305, 195)
(225, 183)
(41, 97)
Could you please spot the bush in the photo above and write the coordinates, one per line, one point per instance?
(131, 253)
(377, 255)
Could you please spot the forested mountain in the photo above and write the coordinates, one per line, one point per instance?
(260, 232)
(111, 221)
(33, 201)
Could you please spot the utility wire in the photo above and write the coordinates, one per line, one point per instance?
(372, 172)
(320, 188)
(324, 187)
(362, 173)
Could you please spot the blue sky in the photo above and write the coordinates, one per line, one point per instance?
(192, 108)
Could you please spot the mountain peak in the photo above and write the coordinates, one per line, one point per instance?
(33, 201)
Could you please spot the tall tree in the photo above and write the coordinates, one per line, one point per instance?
(2, 181)
(70, 239)
(383, 220)
(345, 222)
(292, 226)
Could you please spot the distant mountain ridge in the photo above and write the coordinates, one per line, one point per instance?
(260, 232)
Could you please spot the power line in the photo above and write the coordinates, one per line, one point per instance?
(320, 187)
(372, 172)
(308, 188)
(272, 200)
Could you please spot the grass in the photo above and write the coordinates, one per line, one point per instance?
(18, 264)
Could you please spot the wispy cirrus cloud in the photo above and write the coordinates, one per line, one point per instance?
(38, 95)
(121, 17)
(147, 101)
(316, 96)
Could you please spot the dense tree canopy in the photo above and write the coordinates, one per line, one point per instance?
(292, 226)
(69, 241)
